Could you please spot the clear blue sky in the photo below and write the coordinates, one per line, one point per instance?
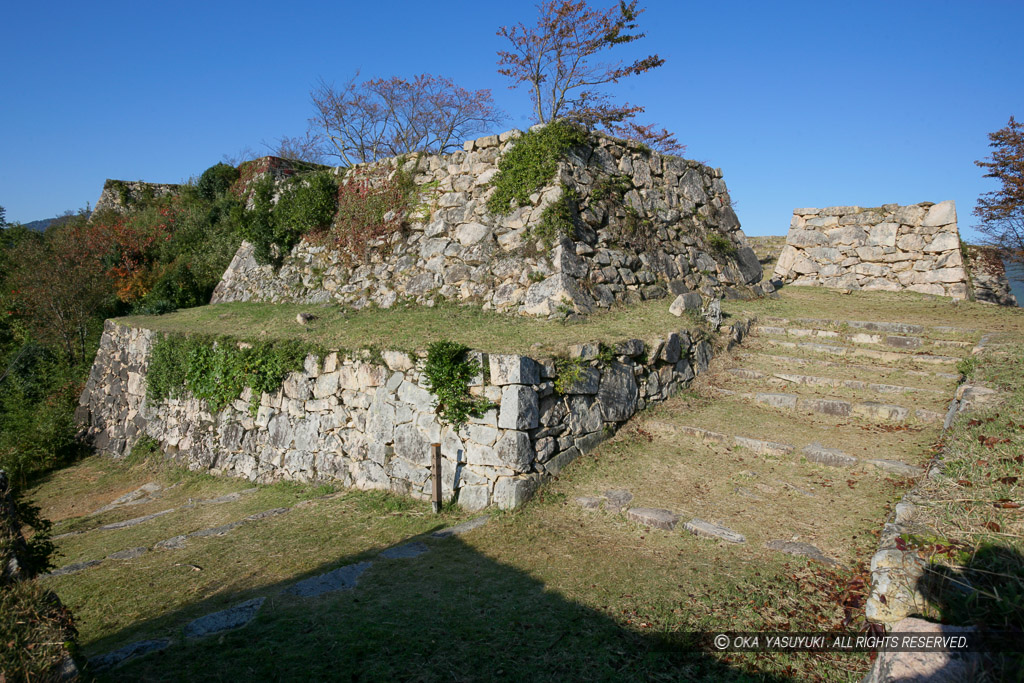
(800, 103)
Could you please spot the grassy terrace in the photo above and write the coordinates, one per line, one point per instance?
(553, 591)
(904, 307)
(414, 327)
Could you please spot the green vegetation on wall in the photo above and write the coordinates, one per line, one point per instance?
(449, 371)
(217, 370)
(307, 203)
(530, 164)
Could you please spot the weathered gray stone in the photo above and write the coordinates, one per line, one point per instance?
(832, 457)
(653, 517)
(225, 620)
(341, 579)
(520, 407)
(129, 554)
(691, 301)
(617, 499)
(109, 660)
(512, 492)
(514, 451)
(513, 369)
(939, 214)
(405, 551)
(617, 393)
(699, 527)
(461, 528)
(800, 550)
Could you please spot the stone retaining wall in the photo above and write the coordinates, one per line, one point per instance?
(988, 276)
(121, 195)
(646, 225)
(891, 248)
(369, 424)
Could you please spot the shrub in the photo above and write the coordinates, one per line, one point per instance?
(558, 219)
(219, 369)
(530, 164)
(176, 288)
(372, 205)
(257, 224)
(306, 204)
(721, 245)
(216, 180)
(448, 374)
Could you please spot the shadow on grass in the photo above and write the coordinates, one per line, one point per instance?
(451, 613)
(986, 592)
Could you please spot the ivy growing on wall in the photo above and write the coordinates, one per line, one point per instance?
(530, 164)
(217, 369)
(448, 371)
(307, 203)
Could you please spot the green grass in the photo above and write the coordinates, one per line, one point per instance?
(550, 592)
(905, 307)
(415, 327)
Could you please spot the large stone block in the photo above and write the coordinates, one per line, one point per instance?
(617, 394)
(944, 241)
(555, 294)
(511, 492)
(942, 213)
(520, 408)
(513, 369)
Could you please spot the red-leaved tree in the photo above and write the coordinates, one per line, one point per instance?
(1002, 211)
(557, 59)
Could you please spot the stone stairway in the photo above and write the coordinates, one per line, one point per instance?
(798, 427)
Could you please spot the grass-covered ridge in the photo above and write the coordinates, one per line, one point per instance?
(414, 328)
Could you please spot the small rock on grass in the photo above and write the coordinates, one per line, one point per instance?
(405, 551)
(462, 527)
(305, 318)
(112, 659)
(341, 579)
(617, 499)
(653, 517)
(698, 527)
(589, 502)
(230, 618)
(800, 549)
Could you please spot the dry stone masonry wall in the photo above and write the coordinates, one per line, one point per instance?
(369, 423)
(891, 248)
(988, 276)
(121, 195)
(670, 229)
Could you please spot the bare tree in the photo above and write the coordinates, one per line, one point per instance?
(556, 59)
(308, 148)
(365, 121)
(1002, 211)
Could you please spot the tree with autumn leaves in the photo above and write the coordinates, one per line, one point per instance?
(558, 60)
(1001, 211)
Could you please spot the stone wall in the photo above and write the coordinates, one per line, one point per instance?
(673, 231)
(121, 195)
(369, 424)
(988, 276)
(891, 248)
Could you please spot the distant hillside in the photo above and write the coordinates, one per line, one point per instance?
(40, 225)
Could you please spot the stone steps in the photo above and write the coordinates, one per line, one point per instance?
(932, 378)
(863, 338)
(746, 380)
(833, 382)
(887, 327)
(871, 411)
(812, 452)
(847, 351)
